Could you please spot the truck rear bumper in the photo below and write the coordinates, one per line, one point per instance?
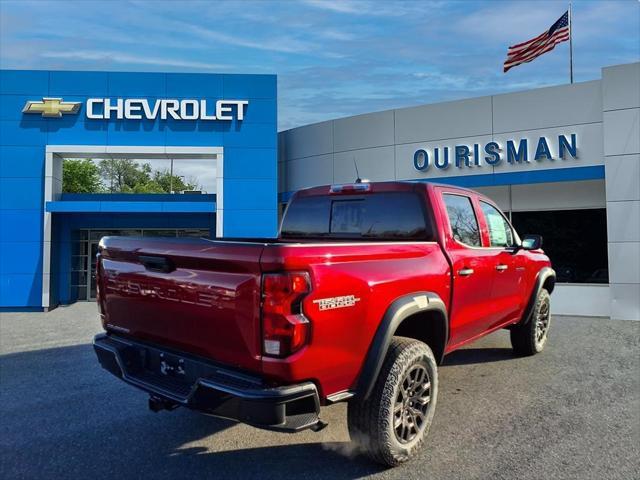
(176, 379)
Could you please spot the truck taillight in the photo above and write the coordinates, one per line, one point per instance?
(284, 328)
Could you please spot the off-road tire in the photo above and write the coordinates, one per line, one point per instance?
(528, 339)
(371, 421)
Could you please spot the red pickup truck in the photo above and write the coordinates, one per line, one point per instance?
(366, 289)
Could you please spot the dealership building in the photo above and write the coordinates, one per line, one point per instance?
(562, 161)
(48, 238)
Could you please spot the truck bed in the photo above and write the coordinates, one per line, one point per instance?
(203, 297)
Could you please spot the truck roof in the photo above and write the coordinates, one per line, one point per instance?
(398, 186)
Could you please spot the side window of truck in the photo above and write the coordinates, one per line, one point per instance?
(500, 233)
(462, 218)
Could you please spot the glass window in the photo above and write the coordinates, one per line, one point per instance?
(141, 176)
(500, 233)
(78, 262)
(127, 233)
(307, 217)
(375, 216)
(98, 234)
(82, 292)
(347, 216)
(159, 233)
(79, 278)
(83, 249)
(194, 233)
(574, 240)
(464, 225)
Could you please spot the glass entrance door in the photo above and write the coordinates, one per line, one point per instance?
(91, 268)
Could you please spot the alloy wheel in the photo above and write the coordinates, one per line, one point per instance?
(412, 404)
(542, 322)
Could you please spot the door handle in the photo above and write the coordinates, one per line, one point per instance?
(465, 272)
(502, 268)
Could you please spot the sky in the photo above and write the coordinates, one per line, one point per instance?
(333, 58)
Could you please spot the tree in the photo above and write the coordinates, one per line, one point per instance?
(80, 176)
(120, 176)
(127, 176)
(124, 175)
(164, 179)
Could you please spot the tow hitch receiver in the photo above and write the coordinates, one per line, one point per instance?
(157, 404)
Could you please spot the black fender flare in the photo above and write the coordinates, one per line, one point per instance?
(401, 308)
(543, 275)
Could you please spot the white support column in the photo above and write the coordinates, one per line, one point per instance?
(52, 191)
(220, 195)
(621, 125)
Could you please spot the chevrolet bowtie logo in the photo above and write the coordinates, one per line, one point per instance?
(51, 107)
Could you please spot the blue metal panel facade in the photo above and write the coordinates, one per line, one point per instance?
(250, 162)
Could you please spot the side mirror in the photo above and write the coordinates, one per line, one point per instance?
(532, 242)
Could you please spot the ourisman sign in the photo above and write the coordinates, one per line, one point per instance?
(492, 153)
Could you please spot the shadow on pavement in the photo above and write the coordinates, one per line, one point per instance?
(64, 417)
(469, 356)
(309, 460)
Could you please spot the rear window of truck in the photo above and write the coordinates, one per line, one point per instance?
(374, 216)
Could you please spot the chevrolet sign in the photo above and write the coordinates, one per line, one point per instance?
(186, 109)
(51, 107)
(141, 109)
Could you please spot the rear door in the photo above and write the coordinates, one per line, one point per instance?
(473, 267)
(508, 264)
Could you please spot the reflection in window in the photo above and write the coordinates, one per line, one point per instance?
(375, 216)
(128, 175)
(347, 216)
(464, 225)
(500, 233)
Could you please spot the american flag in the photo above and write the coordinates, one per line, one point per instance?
(527, 51)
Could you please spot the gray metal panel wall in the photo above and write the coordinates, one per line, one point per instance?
(621, 113)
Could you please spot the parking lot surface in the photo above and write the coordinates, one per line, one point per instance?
(571, 412)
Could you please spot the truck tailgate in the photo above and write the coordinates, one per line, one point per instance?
(194, 295)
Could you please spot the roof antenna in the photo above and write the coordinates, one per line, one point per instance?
(358, 179)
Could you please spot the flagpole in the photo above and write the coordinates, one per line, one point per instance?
(570, 44)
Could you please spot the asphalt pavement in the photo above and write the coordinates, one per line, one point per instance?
(571, 412)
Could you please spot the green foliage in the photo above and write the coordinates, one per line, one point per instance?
(124, 176)
(127, 176)
(81, 176)
(163, 179)
(120, 176)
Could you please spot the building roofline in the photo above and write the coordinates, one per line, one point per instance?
(514, 92)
